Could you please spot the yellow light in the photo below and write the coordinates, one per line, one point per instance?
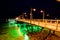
(25, 13)
(19, 32)
(58, 0)
(47, 15)
(16, 18)
(34, 9)
(41, 11)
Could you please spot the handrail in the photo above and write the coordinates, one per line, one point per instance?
(45, 23)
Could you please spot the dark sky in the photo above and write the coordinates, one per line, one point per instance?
(17, 7)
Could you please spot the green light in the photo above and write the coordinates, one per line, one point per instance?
(19, 32)
(25, 28)
(30, 29)
(4, 25)
(12, 33)
(24, 25)
(26, 37)
(19, 25)
(12, 21)
(40, 28)
(37, 28)
(34, 28)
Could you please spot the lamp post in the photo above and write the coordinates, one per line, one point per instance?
(31, 13)
(24, 15)
(43, 14)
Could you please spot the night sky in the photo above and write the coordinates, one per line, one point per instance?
(18, 7)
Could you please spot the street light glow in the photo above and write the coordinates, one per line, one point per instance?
(58, 0)
(34, 9)
(26, 37)
(41, 11)
(25, 13)
(30, 14)
(47, 15)
(43, 14)
(16, 18)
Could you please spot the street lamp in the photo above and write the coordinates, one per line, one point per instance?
(47, 15)
(31, 12)
(25, 13)
(17, 18)
(34, 9)
(43, 14)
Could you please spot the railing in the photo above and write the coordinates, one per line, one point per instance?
(46, 22)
